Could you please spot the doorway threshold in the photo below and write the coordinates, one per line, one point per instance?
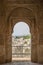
(21, 59)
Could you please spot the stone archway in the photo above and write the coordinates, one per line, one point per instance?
(21, 42)
(21, 14)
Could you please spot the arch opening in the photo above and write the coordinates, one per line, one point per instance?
(21, 42)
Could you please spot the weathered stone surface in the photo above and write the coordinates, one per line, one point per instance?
(22, 63)
(40, 53)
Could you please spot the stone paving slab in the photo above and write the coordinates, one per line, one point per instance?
(21, 63)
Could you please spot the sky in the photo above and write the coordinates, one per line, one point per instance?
(21, 29)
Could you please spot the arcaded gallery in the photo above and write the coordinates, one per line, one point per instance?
(21, 32)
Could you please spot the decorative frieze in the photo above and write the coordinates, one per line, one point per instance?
(1, 39)
(41, 39)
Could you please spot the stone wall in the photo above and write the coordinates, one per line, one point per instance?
(13, 11)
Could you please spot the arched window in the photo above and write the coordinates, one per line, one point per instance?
(21, 42)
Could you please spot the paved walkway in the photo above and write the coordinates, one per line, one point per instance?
(21, 63)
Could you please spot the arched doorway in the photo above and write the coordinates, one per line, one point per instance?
(21, 42)
(27, 15)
